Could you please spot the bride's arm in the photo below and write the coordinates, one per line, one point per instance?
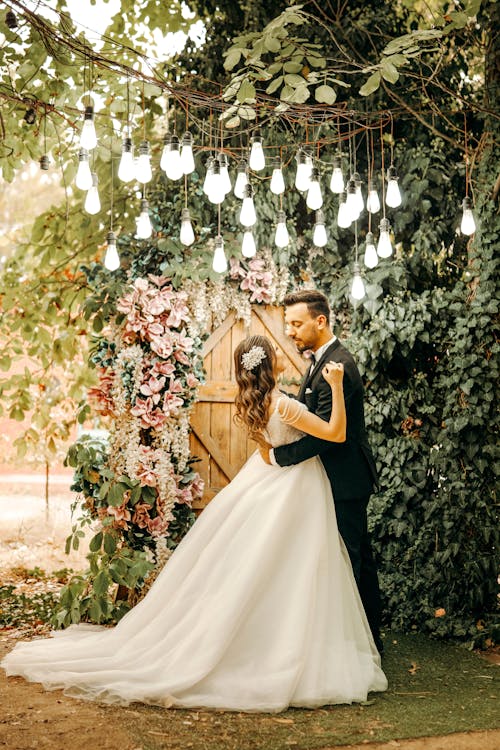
(291, 412)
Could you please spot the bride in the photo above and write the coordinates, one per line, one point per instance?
(257, 609)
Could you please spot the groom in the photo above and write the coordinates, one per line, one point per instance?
(350, 465)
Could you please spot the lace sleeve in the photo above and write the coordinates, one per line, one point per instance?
(289, 409)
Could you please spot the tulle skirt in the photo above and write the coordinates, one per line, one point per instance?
(256, 610)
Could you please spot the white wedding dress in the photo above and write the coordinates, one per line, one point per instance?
(256, 610)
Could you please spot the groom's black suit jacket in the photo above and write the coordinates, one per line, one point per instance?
(350, 466)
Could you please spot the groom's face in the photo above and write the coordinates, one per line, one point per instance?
(304, 329)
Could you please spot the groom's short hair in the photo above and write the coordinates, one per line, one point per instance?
(317, 303)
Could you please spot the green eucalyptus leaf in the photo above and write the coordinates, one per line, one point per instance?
(325, 94)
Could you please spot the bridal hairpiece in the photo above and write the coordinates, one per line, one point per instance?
(253, 357)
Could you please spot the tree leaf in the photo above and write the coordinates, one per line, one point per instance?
(371, 84)
(274, 85)
(232, 58)
(246, 92)
(325, 94)
(389, 71)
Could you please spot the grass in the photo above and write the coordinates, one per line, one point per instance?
(435, 688)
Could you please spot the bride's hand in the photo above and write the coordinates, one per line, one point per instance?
(333, 372)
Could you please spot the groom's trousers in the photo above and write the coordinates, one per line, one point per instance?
(353, 527)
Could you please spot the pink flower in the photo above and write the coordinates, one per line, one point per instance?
(235, 270)
(165, 368)
(191, 380)
(158, 280)
(197, 486)
(175, 386)
(152, 330)
(150, 417)
(141, 515)
(158, 526)
(153, 388)
(146, 476)
(121, 515)
(184, 342)
(182, 358)
(162, 347)
(178, 314)
(101, 394)
(171, 404)
(184, 496)
(261, 295)
(256, 264)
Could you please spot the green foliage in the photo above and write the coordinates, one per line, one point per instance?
(429, 358)
(92, 595)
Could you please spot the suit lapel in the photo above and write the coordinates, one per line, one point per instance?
(317, 368)
(326, 356)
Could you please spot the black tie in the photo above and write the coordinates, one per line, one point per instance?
(313, 362)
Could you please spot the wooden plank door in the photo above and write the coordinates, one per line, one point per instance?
(220, 444)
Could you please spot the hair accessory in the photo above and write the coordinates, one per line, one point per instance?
(253, 357)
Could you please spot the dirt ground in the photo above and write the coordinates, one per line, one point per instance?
(33, 718)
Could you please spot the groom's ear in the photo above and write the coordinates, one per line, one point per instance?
(321, 321)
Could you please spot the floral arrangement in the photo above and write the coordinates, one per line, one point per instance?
(249, 281)
(147, 387)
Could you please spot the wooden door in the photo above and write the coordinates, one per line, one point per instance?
(220, 444)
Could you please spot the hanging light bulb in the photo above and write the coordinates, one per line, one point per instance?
(393, 195)
(277, 181)
(224, 173)
(467, 225)
(208, 175)
(144, 230)
(357, 285)
(352, 204)
(83, 178)
(88, 137)
(248, 216)
(257, 160)
(187, 234)
(111, 259)
(281, 238)
(359, 193)
(126, 168)
(314, 198)
(92, 201)
(371, 257)
(187, 158)
(319, 233)
(241, 179)
(143, 167)
(304, 169)
(343, 217)
(172, 162)
(384, 246)
(337, 178)
(372, 201)
(219, 263)
(165, 151)
(216, 189)
(248, 248)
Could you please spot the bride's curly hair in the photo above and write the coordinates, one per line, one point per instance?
(255, 385)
